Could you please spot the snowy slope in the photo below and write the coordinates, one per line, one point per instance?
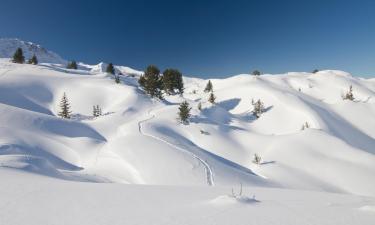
(139, 141)
(9, 45)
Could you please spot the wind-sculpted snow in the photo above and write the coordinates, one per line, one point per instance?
(138, 140)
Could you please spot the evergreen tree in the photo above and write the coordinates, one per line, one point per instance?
(257, 159)
(212, 98)
(315, 71)
(72, 65)
(97, 111)
(184, 112)
(18, 56)
(110, 69)
(94, 111)
(33, 60)
(172, 80)
(151, 82)
(65, 108)
(258, 108)
(209, 87)
(256, 73)
(349, 95)
(305, 126)
(117, 79)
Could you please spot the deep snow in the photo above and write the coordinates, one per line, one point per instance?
(311, 176)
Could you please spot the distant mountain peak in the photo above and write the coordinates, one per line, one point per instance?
(9, 45)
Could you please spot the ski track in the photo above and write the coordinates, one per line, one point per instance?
(208, 170)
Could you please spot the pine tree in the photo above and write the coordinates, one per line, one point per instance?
(184, 112)
(256, 73)
(349, 95)
(172, 80)
(151, 82)
(65, 108)
(72, 65)
(212, 98)
(33, 60)
(18, 56)
(258, 108)
(110, 69)
(97, 111)
(257, 159)
(209, 87)
(305, 126)
(117, 79)
(315, 71)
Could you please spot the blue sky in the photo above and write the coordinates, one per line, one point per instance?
(202, 38)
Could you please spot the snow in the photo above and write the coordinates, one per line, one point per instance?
(137, 165)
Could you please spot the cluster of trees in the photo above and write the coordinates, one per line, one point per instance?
(18, 57)
(210, 89)
(154, 84)
(66, 113)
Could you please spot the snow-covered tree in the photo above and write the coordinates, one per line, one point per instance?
(184, 112)
(209, 87)
(349, 95)
(258, 108)
(212, 98)
(151, 82)
(110, 69)
(33, 60)
(257, 159)
(18, 56)
(172, 81)
(72, 65)
(65, 108)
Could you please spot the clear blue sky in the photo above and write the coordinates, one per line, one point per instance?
(202, 38)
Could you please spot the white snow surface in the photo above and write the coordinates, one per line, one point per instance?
(137, 165)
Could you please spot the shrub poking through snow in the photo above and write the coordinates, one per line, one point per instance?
(212, 98)
(33, 60)
(209, 87)
(349, 95)
(151, 82)
(256, 73)
(18, 56)
(172, 81)
(97, 111)
(258, 108)
(110, 69)
(257, 159)
(64, 107)
(200, 106)
(184, 112)
(305, 126)
(72, 65)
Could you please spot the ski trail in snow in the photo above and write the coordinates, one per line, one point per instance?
(208, 170)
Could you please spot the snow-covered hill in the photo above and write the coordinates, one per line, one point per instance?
(139, 141)
(9, 45)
